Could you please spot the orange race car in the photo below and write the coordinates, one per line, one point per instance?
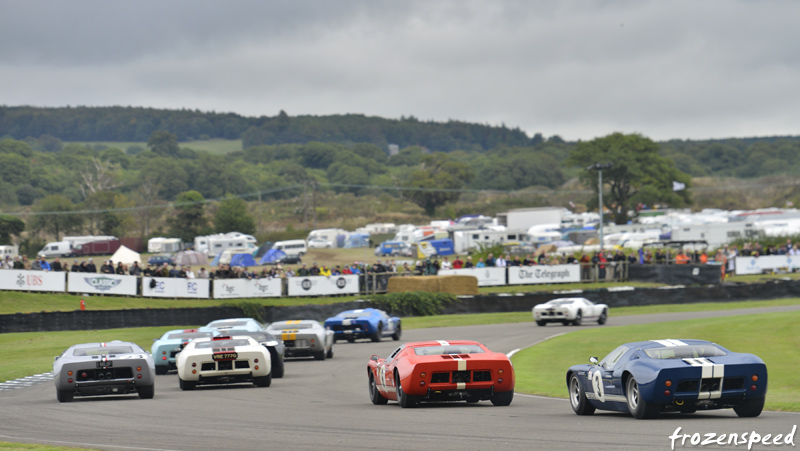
(436, 371)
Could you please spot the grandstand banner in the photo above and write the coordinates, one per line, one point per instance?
(25, 280)
(538, 274)
(769, 263)
(322, 285)
(486, 276)
(162, 287)
(83, 282)
(247, 288)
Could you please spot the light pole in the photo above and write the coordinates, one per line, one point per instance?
(600, 167)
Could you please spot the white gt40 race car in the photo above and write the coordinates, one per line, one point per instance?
(224, 360)
(570, 311)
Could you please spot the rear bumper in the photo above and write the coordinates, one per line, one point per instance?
(93, 388)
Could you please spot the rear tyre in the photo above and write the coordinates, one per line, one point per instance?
(378, 333)
(187, 385)
(277, 364)
(351, 339)
(146, 392)
(397, 333)
(639, 408)
(541, 323)
(750, 407)
(503, 398)
(329, 354)
(374, 395)
(263, 381)
(578, 319)
(319, 355)
(603, 317)
(161, 369)
(402, 398)
(65, 395)
(577, 397)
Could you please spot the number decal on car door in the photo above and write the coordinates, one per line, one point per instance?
(597, 385)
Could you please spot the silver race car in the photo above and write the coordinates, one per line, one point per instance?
(113, 368)
(304, 338)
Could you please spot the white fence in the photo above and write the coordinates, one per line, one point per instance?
(161, 287)
(22, 280)
(82, 282)
(247, 288)
(486, 276)
(757, 265)
(322, 285)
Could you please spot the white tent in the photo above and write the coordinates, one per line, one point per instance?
(126, 256)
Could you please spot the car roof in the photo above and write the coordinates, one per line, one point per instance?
(295, 322)
(366, 311)
(424, 344)
(667, 342)
(104, 344)
(566, 299)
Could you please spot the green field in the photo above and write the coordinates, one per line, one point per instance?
(214, 146)
(6, 446)
(771, 336)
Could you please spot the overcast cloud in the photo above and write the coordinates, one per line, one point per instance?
(666, 69)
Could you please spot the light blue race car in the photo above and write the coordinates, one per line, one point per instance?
(364, 323)
(170, 344)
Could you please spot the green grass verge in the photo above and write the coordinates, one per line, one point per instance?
(542, 369)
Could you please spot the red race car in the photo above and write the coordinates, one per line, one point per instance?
(434, 371)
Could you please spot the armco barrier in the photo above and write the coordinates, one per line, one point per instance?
(617, 297)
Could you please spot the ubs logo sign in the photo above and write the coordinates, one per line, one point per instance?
(30, 280)
(341, 282)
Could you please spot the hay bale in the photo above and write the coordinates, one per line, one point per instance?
(414, 283)
(459, 285)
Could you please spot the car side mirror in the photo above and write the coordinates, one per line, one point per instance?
(374, 358)
(155, 340)
(593, 360)
(55, 358)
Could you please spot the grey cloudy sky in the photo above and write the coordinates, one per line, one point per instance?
(578, 69)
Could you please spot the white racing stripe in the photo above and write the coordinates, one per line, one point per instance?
(670, 342)
(443, 343)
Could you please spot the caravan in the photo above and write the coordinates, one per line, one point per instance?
(336, 237)
(160, 244)
(218, 243)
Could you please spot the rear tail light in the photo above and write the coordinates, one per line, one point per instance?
(138, 368)
(753, 387)
(422, 375)
(667, 392)
(69, 381)
(256, 367)
(421, 383)
(194, 364)
(164, 358)
(138, 376)
(500, 381)
(69, 373)
(255, 361)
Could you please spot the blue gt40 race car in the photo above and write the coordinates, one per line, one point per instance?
(165, 349)
(649, 377)
(364, 323)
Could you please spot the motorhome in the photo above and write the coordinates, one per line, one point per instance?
(218, 243)
(70, 245)
(292, 247)
(469, 240)
(9, 251)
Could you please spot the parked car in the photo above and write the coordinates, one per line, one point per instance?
(160, 259)
(364, 323)
(570, 311)
(113, 368)
(304, 338)
(319, 243)
(435, 371)
(648, 377)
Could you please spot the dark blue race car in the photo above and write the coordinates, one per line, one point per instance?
(364, 323)
(649, 377)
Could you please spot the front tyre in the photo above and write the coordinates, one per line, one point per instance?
(750, 407)
(503, 398)
(65, 395)
(603, 317)
(578, 319)
(398, 332)
(277, 364)
(638, 407)
(146, 392)
(541, 323)
(378, 335)
(577, 397)
(374, 395)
